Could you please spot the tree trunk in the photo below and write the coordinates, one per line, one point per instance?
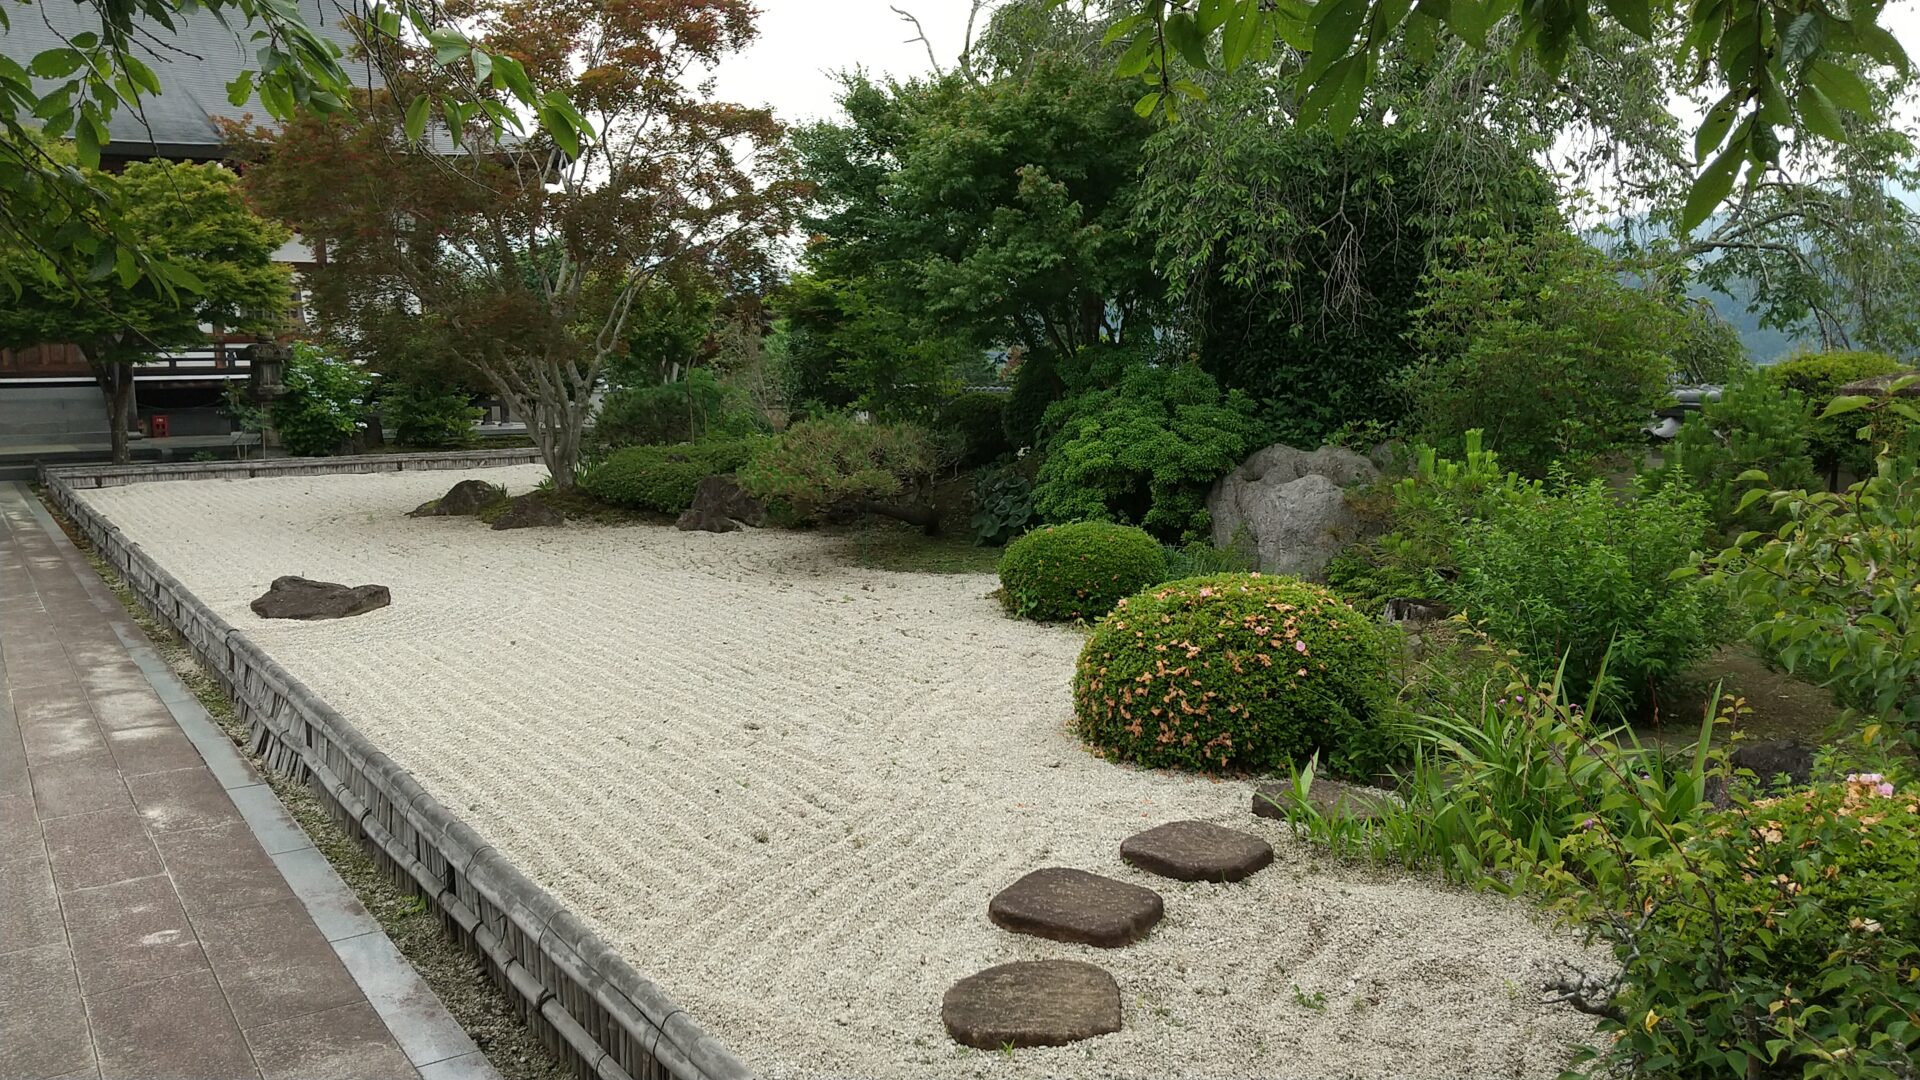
(116, 383)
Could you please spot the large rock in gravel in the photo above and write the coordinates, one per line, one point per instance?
(719, 505)
(1333, 798)
(464, 499)
(1196, 851)
(1032, 1003)
(529, 512)
(1290, 506)
(302, 598)
(1072, 905)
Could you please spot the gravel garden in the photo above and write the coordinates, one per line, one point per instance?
(789, 791)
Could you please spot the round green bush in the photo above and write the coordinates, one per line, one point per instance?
(1237, 671)
(1078, 571)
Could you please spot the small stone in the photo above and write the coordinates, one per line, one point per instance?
(293, 597)
(1032, 1003)
(1333, 798)
(1072, 905)
(1197, 851)
(529, 512)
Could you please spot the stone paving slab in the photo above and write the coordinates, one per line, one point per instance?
(161, 915)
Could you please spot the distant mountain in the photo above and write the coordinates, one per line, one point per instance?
(1765, 345)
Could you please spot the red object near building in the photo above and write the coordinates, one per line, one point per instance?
(157, 427)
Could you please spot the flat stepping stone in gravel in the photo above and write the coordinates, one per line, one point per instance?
(1196, 851)
(1073, 905)
(1032, 1003)
(1333, 798)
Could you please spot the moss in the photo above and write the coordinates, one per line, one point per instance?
(1078, 571)
(1237, 671)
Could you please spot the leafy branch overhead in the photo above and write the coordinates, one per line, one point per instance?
(1786, 70)
(75, 90)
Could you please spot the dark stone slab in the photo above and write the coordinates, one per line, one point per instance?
(159, 748)
(46, 1021)
(1032, 1003)
(19, 829)
(1072, 905)
(302, 598)
(220, 867)
(1333, 798)
(529, 512)
(129, 932)
(347, 1043)
(1769, 762)
(79, 785)
(719, 505)
(1196, 851)
(182, 799)
(464, 499)
(273, 962)
(101, 848)
(175, 1027)
(29, 907)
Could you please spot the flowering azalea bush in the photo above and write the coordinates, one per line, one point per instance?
(1237, 671)
(1782, 940)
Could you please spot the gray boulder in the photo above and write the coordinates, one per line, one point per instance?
(303, 598)
(1290, 506)
(719, 505)
(464, 499)
(529, 512)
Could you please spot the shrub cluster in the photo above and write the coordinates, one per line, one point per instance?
(430, 417)
(1237, 671)
(1078, 571)
(663, 478)
(696, 407)
(325, 402)
(1835, 444)
(818, 467)
(975, 424)
(1756, 425)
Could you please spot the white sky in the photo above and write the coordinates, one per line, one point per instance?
(802, 42)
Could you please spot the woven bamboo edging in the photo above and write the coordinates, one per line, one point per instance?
(590, 1007)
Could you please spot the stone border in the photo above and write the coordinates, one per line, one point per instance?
(99, 476)
(591, 1008)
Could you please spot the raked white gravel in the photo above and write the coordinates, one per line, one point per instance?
(786, 789)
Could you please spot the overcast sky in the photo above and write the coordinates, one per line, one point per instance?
(802, 42)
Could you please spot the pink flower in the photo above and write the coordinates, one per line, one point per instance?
(1206, 592)
(1885, 790)
(1300, 647)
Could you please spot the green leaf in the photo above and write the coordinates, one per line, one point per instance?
(1470, 20)
(240, 89)
(1843, 86)
(86, 145)
(1122, 28)
(557, 125)
(1635, 15)
(1712, 187)
(417, 117)
(1752, 496)
(56, 63)
(1134, 61)
(482, 65)
(1236, 40)
(1801, 41)
(1846, 404)
(1818, 115)
(1334, 25)
(1185, 35)
(1213, 14)
(1147, 103)
(1714, 127)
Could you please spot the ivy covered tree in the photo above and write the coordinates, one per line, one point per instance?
(529, 256)
(192, 216)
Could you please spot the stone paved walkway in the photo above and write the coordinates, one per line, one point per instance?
(161, 917)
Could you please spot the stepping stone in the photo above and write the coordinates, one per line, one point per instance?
(1032, 1003)
(1073, 905)
(1331, 797)
(1196, 851)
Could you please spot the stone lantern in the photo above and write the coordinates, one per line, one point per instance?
(267, 382)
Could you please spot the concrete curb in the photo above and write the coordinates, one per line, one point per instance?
(592, 1009)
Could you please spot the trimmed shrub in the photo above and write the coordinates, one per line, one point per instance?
(429, 417)
(1078, 571)
(819, 468)
(1237, 671)
(697, 407)
(1834, 443)
(975, 423)
(663, 477)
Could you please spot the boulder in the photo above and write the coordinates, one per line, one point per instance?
(1768, 761)
(464, 499)
(719, 505)
(1196, 851)
(1032, 1003)
(528, 512)
(1290, 506)
(1333, 798)
(301, 598)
